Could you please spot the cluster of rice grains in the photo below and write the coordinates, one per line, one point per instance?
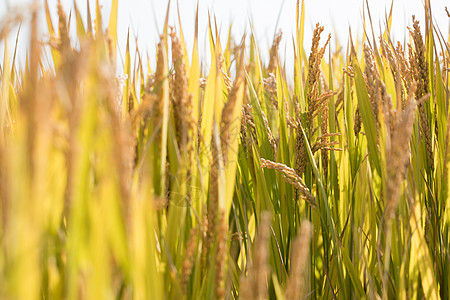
(224, 180)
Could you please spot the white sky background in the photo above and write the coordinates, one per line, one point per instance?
(145, 17)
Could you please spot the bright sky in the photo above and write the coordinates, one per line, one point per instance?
(145, 18)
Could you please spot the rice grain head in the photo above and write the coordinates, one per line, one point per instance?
(221, 256)
(298, 283)
(189, 259)
(373, 81)
(274, 53)
(292, 178)
(254, 286)
(398, 154)
(419, 66)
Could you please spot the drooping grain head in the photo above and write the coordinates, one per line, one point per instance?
(292, 178)
(272, 141)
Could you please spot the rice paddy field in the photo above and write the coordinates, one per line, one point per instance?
(241, 181)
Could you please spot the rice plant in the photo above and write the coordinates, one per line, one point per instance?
(239, 182)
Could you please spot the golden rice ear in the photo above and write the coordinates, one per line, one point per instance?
(399, 154)
(189, 258)
(195, 182)
(292, 178)
(298, 282)
(375, 87)
(419, 65)
(301, 157)
(254, 284)
(182, 102)
(221, 256)
(314, 70)
(273, 61)
(63, 31)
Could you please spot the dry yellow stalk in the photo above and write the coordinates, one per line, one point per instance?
(292, 178)
(297, 285)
